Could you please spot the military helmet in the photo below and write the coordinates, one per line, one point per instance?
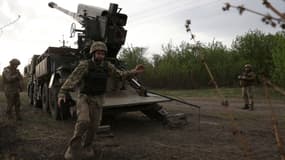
(98, 45)
(15, 61)
(247, 66)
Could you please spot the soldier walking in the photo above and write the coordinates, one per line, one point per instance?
(13, 85)
(91, 77)
(247, 79)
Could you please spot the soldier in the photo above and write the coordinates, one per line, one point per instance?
(91, 75)
(13, 85)
(247, 79)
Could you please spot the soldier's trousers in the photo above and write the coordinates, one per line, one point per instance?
(13, 100)
(89, 113)
(247, 94)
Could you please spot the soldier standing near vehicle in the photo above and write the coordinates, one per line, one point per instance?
(247, 79)
(91, 77)
(13, 85)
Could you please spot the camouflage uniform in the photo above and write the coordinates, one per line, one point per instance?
(247, 79)
(13, 85)
(89, 107)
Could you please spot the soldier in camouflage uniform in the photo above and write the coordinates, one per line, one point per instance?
(91, 78)
(13, 85)
(247, 79)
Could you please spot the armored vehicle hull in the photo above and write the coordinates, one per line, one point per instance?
(48, 71)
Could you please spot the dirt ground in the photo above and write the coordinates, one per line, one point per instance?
(135, 137)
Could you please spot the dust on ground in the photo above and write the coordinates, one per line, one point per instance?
(135, 137)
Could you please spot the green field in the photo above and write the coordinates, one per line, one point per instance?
(228, 92)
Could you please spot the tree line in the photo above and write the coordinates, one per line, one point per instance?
(180, 67)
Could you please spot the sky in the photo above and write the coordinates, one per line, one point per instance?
(151, 24)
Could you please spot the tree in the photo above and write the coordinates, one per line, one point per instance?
(278, 55)
(256, 48)
(133, 56)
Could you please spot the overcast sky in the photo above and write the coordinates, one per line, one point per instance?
(150, 23)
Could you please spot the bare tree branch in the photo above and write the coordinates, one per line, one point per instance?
(270, 6)
(266, 18)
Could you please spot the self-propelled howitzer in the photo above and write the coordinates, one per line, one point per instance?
(48, 71)
(98, 25)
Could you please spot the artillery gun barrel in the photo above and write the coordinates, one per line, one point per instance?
(72, 14)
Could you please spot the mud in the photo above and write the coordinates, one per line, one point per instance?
(135, 137)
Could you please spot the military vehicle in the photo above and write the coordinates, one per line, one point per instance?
(48, 71)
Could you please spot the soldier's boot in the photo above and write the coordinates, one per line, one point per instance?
(74, 147)
(72, 153)
(17, 110)
(68, 155)
(9, 116)
(246, 106)
(88, 152)
(79, 153)
(252, 106)
(18, 117)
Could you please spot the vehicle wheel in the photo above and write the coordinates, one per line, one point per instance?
(30, 94)
(45, 97)
(36, 102)
(31, 100)
(53, 107)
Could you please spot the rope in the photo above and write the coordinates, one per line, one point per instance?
(275, 87)
(218, 91)
(279, 141)
(243, 143)
(236, 131)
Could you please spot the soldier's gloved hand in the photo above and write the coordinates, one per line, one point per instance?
(139, 68)
(60, 100)
(241, 77)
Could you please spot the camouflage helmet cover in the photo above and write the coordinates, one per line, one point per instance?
(15, 61)
(247, 66)
(98, 45)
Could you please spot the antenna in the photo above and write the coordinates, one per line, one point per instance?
(10, 23)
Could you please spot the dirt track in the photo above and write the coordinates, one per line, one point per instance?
(136, 137)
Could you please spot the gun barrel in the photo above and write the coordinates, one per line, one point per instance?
(52, 4)
(65, 11)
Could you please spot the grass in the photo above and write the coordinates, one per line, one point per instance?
(228, 92)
